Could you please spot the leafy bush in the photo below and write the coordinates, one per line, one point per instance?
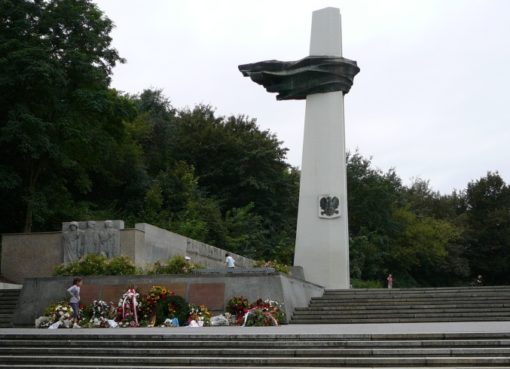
(121, 265)
(175, 265)
(279, 267)
(93, 264)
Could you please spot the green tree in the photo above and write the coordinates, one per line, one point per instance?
(373, 198)
(420, 248)
(488, 228)
(238, 164)
(58, 117)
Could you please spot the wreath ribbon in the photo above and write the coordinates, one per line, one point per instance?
(131, 294)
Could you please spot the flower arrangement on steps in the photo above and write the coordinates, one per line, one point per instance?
(128, 310)
(161, 307)
(199, 316)
(160, 304)
(58, 315)
(261, 313)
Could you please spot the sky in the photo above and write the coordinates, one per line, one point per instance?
(431, 101)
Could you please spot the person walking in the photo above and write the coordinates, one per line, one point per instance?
(74, 301)
(230, 262)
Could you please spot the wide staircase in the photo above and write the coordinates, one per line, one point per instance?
(407, 305)
(156, 350)
(8, 301)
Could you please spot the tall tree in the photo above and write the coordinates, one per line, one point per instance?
(57, 114)
(488, 232)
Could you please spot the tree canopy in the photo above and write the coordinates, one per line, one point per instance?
(74, 148)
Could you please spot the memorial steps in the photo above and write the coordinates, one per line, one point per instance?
(407, 305)
(8, 301)
(83, 350)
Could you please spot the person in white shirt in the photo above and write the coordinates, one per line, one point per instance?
(231, 263)
(74, 301)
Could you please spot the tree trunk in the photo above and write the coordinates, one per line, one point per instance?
(29, 209)
(28, 219)
(32, 180)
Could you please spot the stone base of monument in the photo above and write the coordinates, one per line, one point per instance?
(213, 288)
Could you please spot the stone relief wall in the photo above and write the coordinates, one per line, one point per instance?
(28, 255)
(91, 237)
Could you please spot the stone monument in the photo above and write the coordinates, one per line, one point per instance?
(71, 241)
(83, 238)
(322, 239)
(90, 239)
(109, 240)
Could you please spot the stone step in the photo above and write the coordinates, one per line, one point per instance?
(379, 307)
(407, 305)
(422, 292)
(389, 308)
(400, 313)
(254, 343)
(79, 349)
(10, 296)
(257, 352)
(299, 320)
(419, 289)
(206, 361)
(6, 299)
(8, 302)
(427, 317)
(409, 301)
(167, 336)
(8, 311)
(368, 309)
(418, 294)
(38, 366)
(412, 297)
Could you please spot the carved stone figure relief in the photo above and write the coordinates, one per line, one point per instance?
(91, 237)
(72, 243)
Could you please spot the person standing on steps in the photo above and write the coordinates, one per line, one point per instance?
(390, 280)
(478, 281)
(230, 262)
(74, 291)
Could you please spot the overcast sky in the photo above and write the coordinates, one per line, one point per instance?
(432, 99)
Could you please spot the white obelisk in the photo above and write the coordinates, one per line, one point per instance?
(322, 241)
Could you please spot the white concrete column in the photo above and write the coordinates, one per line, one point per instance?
(322, 242)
